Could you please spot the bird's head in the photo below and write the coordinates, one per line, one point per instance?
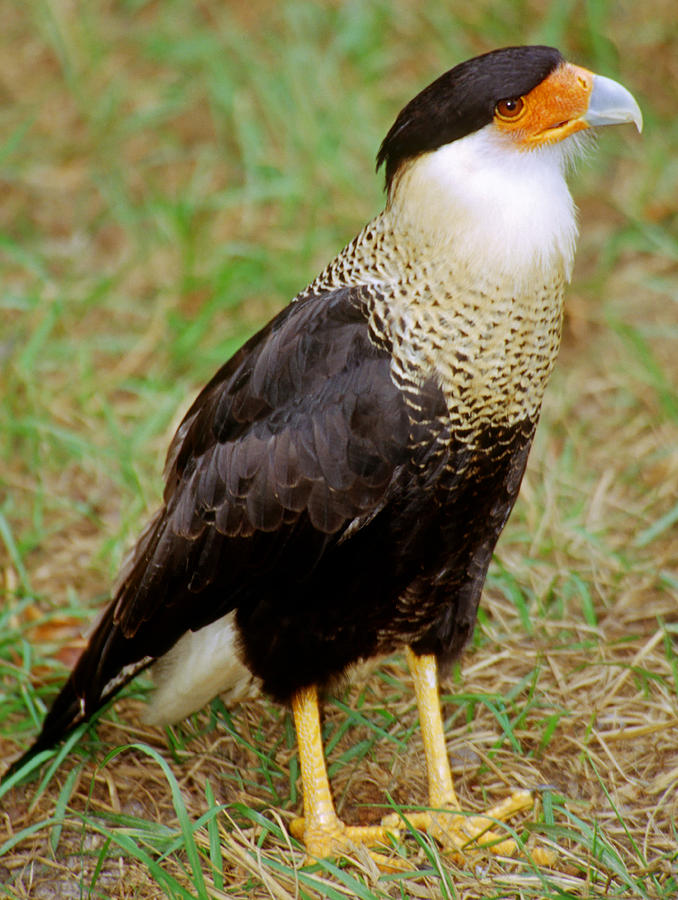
(478, 158)
(529, 96)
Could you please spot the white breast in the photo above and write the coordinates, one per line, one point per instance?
(506, 212)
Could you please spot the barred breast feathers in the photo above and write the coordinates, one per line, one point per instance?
(465, 272)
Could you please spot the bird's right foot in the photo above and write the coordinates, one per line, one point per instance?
(334, 838)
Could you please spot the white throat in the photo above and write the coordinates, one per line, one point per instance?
(506, 212)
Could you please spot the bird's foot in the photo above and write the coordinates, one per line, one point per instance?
(462, 834)
(334, 838)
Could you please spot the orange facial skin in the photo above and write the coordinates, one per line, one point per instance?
(551, 111)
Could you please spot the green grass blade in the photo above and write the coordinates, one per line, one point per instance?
(178, 802)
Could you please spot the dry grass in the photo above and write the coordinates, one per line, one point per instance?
(173, 173)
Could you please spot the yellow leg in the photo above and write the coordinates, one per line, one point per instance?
(458, 832)
(425, 678)
(321, 830)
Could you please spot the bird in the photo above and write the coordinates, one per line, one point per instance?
(336, 491)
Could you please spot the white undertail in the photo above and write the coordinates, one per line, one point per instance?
(201, 665)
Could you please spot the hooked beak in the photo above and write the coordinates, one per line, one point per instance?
(611, 104)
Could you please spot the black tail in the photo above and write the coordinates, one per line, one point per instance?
(106, 665)
(63, 717)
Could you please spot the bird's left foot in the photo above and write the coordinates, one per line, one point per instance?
(462, 834)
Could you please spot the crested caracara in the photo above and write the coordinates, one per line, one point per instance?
(337, 489)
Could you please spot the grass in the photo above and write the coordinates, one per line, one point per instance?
(171, 175)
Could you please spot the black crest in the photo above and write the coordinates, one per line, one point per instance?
(462, 100)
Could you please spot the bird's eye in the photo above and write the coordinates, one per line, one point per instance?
(510, 108)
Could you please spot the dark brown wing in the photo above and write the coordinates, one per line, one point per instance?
(294, 439)
(304, 422)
